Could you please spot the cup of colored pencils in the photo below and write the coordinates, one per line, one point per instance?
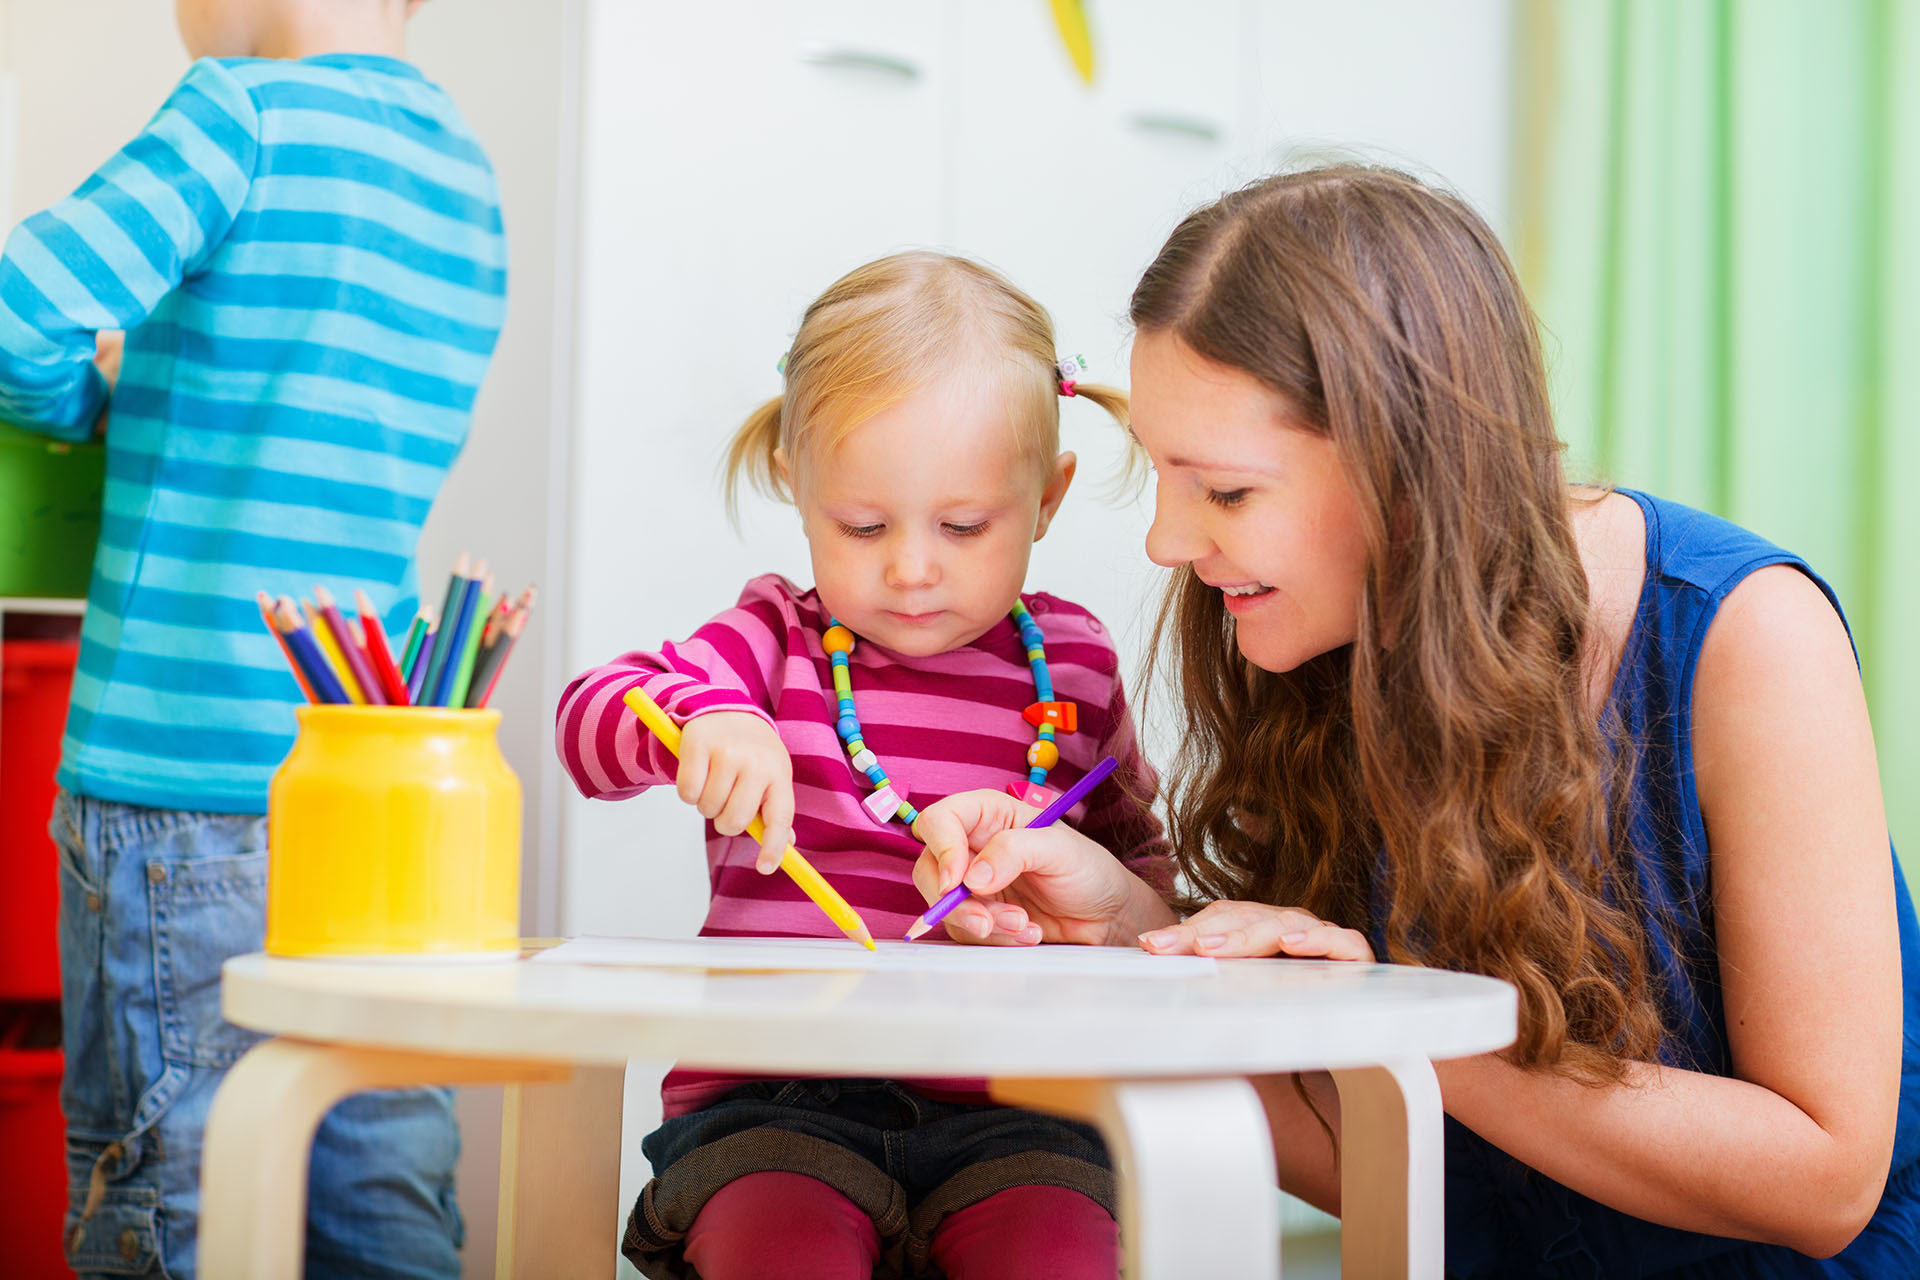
(454, 660)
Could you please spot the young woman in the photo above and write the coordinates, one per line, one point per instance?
(1444, 709)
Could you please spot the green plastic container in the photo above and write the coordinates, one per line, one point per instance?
(49, 513)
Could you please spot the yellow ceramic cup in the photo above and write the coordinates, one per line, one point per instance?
(394, 831)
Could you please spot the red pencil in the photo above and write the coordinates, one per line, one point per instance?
(350, 651)
(379, 653)
(266, 616)
(509, 632)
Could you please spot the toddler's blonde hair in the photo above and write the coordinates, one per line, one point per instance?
(885, 330)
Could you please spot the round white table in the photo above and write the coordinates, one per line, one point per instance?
(1159, 1064)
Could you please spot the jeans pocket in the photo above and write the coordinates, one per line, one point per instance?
(111, 1228)
(205, 910)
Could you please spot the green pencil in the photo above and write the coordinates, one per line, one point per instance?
(463, 674)
(415, 634)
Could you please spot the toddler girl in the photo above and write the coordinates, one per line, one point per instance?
(918, 436)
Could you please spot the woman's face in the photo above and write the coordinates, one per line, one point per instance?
(1261, 509)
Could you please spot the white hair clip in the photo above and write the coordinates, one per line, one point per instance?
(1067, 372)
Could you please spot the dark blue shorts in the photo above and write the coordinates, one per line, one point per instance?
(907, 1160)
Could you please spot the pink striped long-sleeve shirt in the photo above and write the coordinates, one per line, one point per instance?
(942, 724)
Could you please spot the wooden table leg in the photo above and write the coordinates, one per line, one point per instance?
(253, 1170)
(1198, 1195)
(1392, 1172)
(560, 1210)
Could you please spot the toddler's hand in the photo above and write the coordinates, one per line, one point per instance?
(107, 346)
(733, 766)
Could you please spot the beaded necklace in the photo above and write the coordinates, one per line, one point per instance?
(1047, 715)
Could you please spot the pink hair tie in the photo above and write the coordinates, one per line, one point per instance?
(1067, 370)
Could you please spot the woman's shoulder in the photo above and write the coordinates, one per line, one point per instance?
(1615, 536)
(1635, 545)
(1690, 547)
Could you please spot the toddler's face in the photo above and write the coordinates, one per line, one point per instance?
(1261, 509)
(921, 522)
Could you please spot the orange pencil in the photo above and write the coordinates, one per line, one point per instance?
(266, 616)
(306, 647)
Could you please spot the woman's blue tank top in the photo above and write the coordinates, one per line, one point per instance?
(1505, 1220)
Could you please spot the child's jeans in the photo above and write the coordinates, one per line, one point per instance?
(151, 902)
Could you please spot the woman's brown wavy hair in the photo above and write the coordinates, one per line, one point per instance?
(1447, 767)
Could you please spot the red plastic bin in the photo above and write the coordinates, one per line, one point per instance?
(36, 677)
(33, 1136)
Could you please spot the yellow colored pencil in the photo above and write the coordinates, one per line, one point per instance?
(811, 882)
(335, 659)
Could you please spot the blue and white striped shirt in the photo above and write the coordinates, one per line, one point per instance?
(308, 260)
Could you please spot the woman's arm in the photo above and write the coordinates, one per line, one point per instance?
(1793, 1147)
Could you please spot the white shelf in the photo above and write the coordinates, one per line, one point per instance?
(43, 604)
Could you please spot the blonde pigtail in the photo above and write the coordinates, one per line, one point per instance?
(750, 456)
(1112, 399)
(1129, 479)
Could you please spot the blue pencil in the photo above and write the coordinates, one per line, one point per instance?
(306, 651)
(456, 641)
(434, 655)
(1045, 818)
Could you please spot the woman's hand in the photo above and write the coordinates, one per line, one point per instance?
(732, 767)
(1254, 929)
(1046, 885)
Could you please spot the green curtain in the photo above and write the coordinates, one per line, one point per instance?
(1717, 213)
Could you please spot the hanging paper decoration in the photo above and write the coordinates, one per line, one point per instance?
(1071, 17)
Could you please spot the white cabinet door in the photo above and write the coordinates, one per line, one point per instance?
(1071, 189)
(737, 158)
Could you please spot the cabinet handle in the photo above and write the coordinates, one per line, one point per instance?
(840, 56)
(1186, 126)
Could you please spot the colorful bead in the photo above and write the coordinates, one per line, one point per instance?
(1032, 793)
(882, 804)
(889, 794)
(1064, 716)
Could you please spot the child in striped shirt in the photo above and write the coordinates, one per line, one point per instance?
(919, 438)
(304, 251)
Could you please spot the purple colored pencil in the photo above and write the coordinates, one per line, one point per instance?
(417, 677)
(1045, 818)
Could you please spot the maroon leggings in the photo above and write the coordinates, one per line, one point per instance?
(787, 1226)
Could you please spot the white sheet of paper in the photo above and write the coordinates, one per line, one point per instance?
(832, 955)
